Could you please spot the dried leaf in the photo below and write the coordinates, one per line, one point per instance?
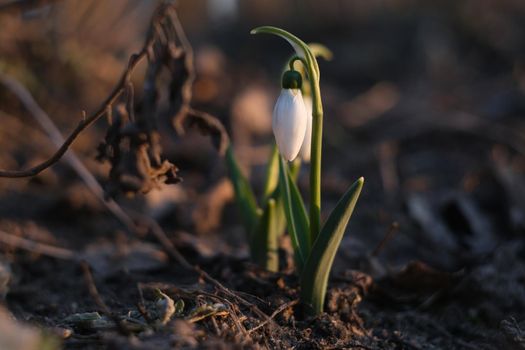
(204, 311)
(208, 125)
(134, 154)
(165, 307)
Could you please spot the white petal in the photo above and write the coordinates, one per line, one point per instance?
(307, 142)
(289, 122)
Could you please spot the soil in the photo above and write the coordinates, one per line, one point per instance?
(467, 294)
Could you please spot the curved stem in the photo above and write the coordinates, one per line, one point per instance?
(296, 58)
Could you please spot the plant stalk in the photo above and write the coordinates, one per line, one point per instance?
(315, 165)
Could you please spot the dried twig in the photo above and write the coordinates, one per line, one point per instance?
(84, 123)
(274, 314)
(36, 247)
(186, 88)
(93, 291)
(233, 307)
(209, 124)
(56, 137)
(163, 239)
(185, 112)
(43, 119)
(122, 86)
(141, 306)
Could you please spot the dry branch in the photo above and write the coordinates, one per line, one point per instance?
(162, 51)
(56, 137)
(93, 291)
(84, 123)
(36, 247)
(106, 106)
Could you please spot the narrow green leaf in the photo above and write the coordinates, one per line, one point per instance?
(314, 277)
(296, 217)
(319, 50)
(272, 190)
(294, 169)
(243, 193)
(265, 240)
(300, 214)
(280, 216)
(272, 174)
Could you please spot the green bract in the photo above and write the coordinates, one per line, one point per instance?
(292, 80)
(282, 204)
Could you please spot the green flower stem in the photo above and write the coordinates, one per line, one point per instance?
(315, 165)
(296, 58)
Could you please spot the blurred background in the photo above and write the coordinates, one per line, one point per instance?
(423, 99)
(426, 100)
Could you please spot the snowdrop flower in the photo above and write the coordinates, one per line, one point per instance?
(307, 142)
(289, 116)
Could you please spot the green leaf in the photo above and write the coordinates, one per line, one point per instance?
(265, 240)
(319, 50)
(293, 171)
(294, 168)
(272, 174)
(300, 213)
(280, 217)
(314, 277)
(243, 193)
(296, 217)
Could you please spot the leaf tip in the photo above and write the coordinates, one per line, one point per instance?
(255, 30)
(359, 183)
(319, 50)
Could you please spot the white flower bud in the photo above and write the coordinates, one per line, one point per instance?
(307, 142)
(289, 122)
